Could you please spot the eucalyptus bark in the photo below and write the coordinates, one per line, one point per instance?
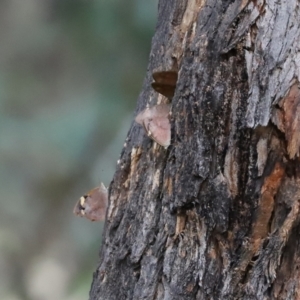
(216, 215)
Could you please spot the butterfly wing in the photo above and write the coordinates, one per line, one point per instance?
(79, 209)
(93, 205)
(159, 129)
(146, 113)
(155, 121)
(158, 125)
(165, 83)
(166, 77)
(164, 89)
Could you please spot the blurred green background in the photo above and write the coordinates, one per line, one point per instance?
(70, 74)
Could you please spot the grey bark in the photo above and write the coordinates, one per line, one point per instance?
(216, 215)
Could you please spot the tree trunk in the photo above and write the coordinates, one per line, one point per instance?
(216, 215)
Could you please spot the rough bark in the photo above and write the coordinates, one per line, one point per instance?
(216, 215)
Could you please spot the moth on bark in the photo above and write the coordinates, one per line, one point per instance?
(155, 120)
(93, 204)
(156, 123)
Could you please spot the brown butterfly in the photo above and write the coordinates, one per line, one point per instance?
(156, 123)
(165, 83)
(93, 205)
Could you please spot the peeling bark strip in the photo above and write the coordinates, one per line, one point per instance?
(216, 215)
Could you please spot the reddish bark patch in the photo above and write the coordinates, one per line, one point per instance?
(291, 108)
(268, 191)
